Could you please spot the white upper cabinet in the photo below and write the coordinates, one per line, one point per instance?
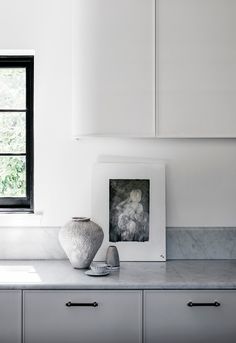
(146, 68)
(196, 74)
(114, 68)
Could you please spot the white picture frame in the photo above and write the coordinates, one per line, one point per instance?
(155, 248)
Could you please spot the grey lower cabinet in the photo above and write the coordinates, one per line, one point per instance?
(10, 316)
(168, 318)
(118, 316)
(92, 316)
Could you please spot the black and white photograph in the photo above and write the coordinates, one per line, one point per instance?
(129, 207)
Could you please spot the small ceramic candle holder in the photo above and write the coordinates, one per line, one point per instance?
(112, 257)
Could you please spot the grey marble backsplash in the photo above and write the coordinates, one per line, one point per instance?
(30, 243)
(201, 243)
(182, 243)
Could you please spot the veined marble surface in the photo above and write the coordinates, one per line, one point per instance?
(182, 243)
(30, 243)
(132, 275)
(201, 243)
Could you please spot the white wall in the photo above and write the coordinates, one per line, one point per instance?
(201, 174)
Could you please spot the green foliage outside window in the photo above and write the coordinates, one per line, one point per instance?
(12, 177)
(12, 132)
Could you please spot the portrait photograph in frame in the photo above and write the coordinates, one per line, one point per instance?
(128, 202)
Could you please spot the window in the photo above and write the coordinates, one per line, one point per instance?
(16, 133)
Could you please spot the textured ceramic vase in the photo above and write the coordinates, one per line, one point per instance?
(81, 238)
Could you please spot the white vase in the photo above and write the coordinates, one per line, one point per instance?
(81, 238)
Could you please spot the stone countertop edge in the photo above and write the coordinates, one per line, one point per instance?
(170, 275)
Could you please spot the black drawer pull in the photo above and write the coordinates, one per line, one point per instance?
(94, 304)
(214, 304)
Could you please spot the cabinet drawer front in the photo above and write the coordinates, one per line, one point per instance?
(116, 318)
(10, 316)
(190, 316)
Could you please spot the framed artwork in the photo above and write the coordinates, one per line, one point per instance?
(128, 202)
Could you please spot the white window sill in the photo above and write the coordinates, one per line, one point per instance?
(21, 219)
(17, 52)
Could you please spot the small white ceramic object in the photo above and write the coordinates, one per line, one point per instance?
(99, 268)
(92, 273)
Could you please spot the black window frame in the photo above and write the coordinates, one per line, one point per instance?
(23, 204)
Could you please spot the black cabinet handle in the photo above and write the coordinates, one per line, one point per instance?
(214, 304)
(70, 304)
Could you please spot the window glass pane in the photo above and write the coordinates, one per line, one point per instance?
(12, 88)
(12, 176)
(12, 132)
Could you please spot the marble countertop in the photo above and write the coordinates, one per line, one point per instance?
(58, 274)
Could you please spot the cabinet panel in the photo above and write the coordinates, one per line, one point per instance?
(114, 67)
(117, 318)
(197, 68)
(168, 319)
(10, 316)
